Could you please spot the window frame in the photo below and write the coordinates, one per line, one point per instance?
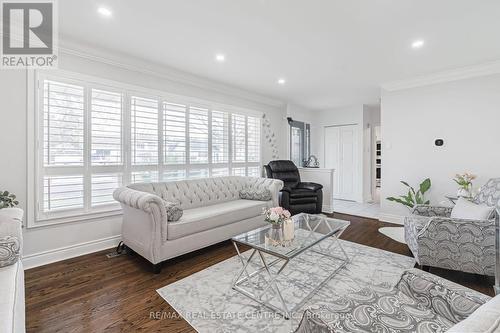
(39, 218)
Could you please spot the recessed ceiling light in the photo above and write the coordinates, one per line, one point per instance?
(104, 11)
(281, 81)
(417, 44)
(220, 57)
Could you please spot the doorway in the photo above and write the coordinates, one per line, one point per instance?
(300, 142)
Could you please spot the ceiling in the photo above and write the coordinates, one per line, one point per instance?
(331, 52)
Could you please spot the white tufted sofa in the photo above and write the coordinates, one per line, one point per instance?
(12, 307)
(213, 212)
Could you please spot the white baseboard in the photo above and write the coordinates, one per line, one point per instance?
(67, 252)
(391, 218)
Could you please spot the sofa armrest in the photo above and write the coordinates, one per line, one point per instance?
(478, 231)
(146, 202)
(310, 186)
(430, 211)
(139, 200)
(273, 185)
(446, 298)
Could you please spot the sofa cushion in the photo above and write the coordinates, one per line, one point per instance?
(465, 209)
(255, 193)
(203, 218)
(485, 319)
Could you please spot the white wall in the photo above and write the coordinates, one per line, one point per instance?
(371, 119)
(300, 113)
(465, 113)
(45, 244)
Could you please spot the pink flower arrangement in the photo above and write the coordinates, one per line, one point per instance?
(276, 215)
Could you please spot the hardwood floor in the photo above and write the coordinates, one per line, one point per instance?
(92, 293)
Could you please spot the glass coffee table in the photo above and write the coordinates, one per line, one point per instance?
(311, 231)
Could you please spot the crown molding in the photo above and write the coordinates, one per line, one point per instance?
(466, 72)
(167, 73)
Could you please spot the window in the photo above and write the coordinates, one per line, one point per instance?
(106, 124)
(239, 138)
(174, 133)
(63, 147)
(300, 143)
(95, 138)
(144, 127)
(220, 137)
(198, 136)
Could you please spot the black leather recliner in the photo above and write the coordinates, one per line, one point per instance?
(297, 197)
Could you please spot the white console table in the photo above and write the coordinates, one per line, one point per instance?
(324, 177)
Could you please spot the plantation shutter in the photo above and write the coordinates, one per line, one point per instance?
(144, 131)
(220, 138)
(238, 138)
(174, 133)
(63, 146)
(106, 135)
(63, 124)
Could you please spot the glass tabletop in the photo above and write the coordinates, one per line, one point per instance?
(309, 231)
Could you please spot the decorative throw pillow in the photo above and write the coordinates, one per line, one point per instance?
(9, 251)
(465, 209)
(252, 193)
(174, 212)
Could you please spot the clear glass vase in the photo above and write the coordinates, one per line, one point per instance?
(276, 233)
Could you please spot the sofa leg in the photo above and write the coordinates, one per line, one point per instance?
(157, 268)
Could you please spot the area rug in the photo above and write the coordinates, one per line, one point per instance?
(395, 233)
(207, 302)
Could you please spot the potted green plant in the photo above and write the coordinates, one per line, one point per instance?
(414, 197)
(465, 182)
(7, 200)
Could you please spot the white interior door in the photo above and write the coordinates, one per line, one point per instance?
(341, 154)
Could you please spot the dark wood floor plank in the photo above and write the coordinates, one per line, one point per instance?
(92, 293)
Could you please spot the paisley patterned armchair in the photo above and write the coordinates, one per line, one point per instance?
(420, 302)
(437, 240)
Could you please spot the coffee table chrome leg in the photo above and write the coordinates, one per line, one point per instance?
(272, 284)
(337, 243)
(244, 267)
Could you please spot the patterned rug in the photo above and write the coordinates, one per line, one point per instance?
(206, 300)
(395, 233)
